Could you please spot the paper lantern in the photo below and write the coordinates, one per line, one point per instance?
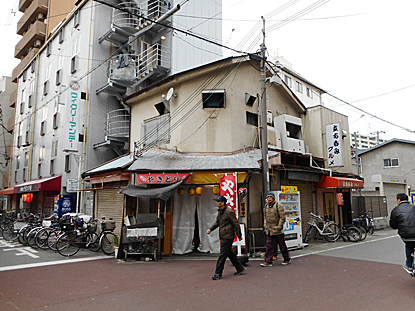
(242, 191)
(216, 190)
(191, 191)
(199, 190)
(24, 197)
(180, 191)
(29, 197)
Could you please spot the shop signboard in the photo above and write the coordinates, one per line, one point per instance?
(334, 140)
(289, 189)
(161, 178)
(63, 204)
(227, 186)
(71, 127)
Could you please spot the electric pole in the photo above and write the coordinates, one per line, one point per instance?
(263, 115)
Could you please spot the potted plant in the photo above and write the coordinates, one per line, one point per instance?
(116, 246)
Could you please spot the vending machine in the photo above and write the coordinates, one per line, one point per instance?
(289, 197)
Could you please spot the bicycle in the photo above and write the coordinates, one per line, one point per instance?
(77, 236)
(367, 222)
(330, 231)
(350, 233)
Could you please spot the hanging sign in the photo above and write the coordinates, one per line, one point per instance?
(227, 187)
(72, 116)
(289, 189)
(335, 157)
(161, 178)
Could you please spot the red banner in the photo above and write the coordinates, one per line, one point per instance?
(227, 187)
(161, 178)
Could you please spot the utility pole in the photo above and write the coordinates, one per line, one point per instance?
(263, 115)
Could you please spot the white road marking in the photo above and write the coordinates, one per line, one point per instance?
(23, 251)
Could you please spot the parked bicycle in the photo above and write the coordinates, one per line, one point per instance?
(350, 233)
(77, 236)
(330, 230)
(367, 222)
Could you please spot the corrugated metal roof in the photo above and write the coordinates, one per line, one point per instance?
(164, 160)
(113, 165)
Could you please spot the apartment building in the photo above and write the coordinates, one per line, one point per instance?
(360, 141)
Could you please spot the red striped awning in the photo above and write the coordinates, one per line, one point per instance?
(338, 182)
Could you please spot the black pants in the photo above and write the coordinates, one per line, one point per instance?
(227, 252)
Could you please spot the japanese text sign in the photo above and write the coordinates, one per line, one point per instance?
(334, 142)
(161, 178)
(227, 185)
(72, 116)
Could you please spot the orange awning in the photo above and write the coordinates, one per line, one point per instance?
(7, 191)
(338, 182)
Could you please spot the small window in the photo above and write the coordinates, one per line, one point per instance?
(213, 99)
(76, 19)
(21, 108)
(52, 167)
(30, 102)
(17, 162)
(58, 76)
(48, 50)
(26, 159)
(287, 80)
(45, 88)
(68, 163)
(19, 141)
(33, 66)
(83, 95)
(394, 162)
(73, 64)
(39, 170)
(252, 118)
(249, 99)
(54, 150)
(24, 175)
(24, 76)
(309, 92)
(299, 87)
(61, 35)
(15, 177)
(27, 136)
(41, 153)
(42, 128)
(55, 121)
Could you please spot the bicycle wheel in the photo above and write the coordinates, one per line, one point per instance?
(68, 244)
(94, 242)
(41, 238)
(31, 237)
(353, 234)
(363, 233)
(331, 233)
(307, 235)
(53, 237)
(21, 235)
(9, 234)
(371, 229)
(107, 243)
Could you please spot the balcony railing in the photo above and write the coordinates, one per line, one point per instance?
(117, 124)
(126, 69)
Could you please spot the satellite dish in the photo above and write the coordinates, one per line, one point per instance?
(169, 94)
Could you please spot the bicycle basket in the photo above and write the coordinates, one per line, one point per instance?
(92, 228)
(67, 226)
(108, 225)
(79, 222)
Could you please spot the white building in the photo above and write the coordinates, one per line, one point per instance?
(360, 141)
(109, 53)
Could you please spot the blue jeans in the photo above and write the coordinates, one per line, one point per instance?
(409, 250)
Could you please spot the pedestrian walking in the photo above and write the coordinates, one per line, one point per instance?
(228, 225)
(274, 219)
(403, 218)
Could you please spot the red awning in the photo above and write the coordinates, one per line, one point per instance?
(46, 184)
(338, 182)
(7, 191)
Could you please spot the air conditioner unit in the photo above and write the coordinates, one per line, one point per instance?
(290, 128)
(40, 17)
(274, 138)
(269, 117)
(38, 43)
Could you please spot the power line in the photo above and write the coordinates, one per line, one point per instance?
(375, 96)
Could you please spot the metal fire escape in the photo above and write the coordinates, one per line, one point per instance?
(127, 69)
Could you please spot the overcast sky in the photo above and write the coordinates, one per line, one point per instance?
(361, 51)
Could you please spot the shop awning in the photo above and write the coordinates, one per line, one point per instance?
(163, 193)
(7, 191)
(338, 182)
(45, 184)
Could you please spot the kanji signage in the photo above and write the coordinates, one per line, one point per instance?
(335, 157)
(161, 178)
(227, 187)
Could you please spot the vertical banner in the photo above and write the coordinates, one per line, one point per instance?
(334, 140)
(227, 187)
(71, 117)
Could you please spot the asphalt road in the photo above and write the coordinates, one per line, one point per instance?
(341, 276)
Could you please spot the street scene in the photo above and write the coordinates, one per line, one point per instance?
(206, 155)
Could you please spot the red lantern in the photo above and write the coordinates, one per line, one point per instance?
(24, 197)
(29, 197)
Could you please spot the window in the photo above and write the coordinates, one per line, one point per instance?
(76, 46)
(19, 136)
(31, 92)
(39, 170)
(48, 50)
(17, 162)
(76, 19)
(213, 99)
(52, 167)
(45, 88)
(287, 80)
(55, 121)
(30, 101)
(27, 137)
(33, 66)
(24, 175)
(61, 35)
(15, 177)
(252, 118)
(21, 108)
(249, 99)
(156, 130)
(41, 153)
(394, 162)
(24, 76)
(60, 59)
(54, 149)
(58, 76)
(22, 101)
(47, 72)
(73, 64)
(67, 163)
(42, 128)
(309, 92)
(298, 87)
(26, 159)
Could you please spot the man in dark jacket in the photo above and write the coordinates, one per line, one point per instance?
(274, 219)
(228, 225)
(403, 218)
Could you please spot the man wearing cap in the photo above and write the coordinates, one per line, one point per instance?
(274, 219)
(228, 224)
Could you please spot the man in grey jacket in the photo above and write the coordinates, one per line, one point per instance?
(403, 218)
(228, 225)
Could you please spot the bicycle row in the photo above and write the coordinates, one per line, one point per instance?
(331, 231)
(65, 235)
